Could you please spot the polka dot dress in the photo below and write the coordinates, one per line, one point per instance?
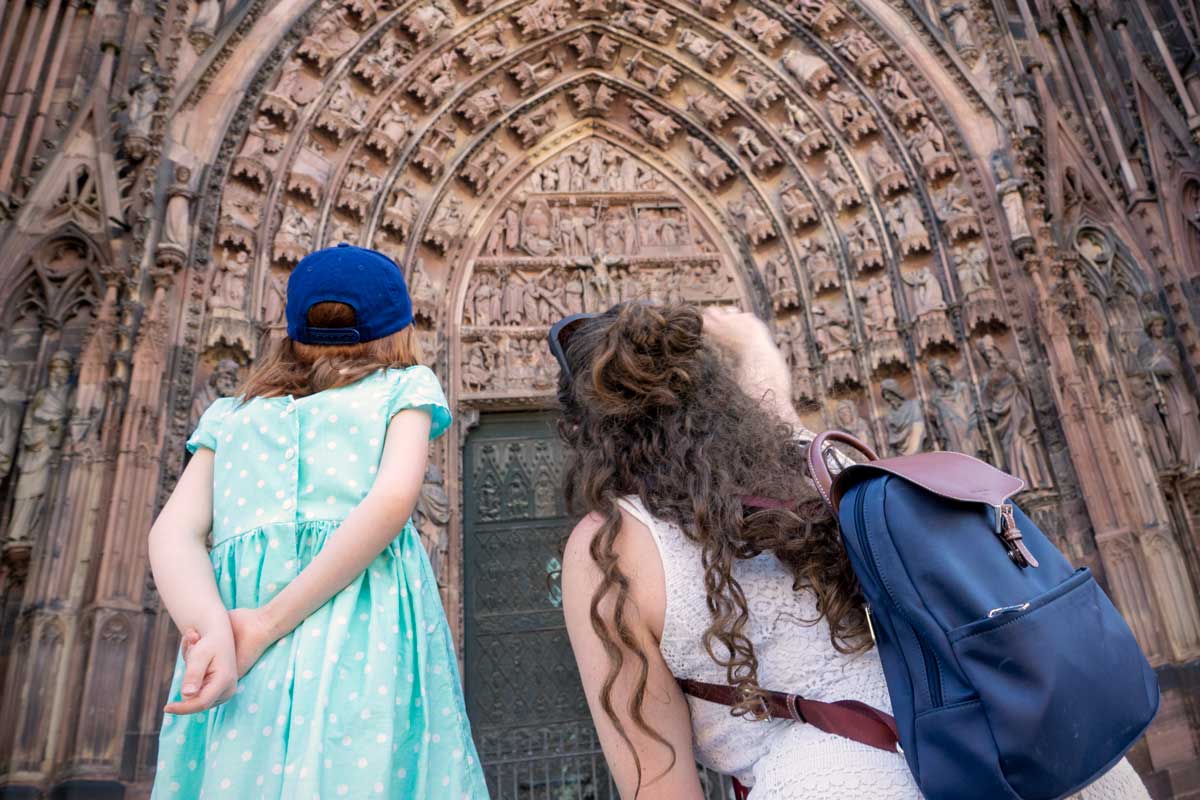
(363, 699)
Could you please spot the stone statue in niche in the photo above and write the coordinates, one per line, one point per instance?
(1158, 356)
(822, 15)
(713, 111)
(484, 165)
(898, 97)
(534, 125)
(446, 227)
(401, 211)
(431, 518)
(645, 20)
(392, 131)
(1009, 408)
(595, 49)
(204, 24)
(653, 125)
(955, 424)
(837, 184)
(228, 297)
(481, 364)
(532, 76)
(888, 175)
(711, 53)
(820, 267)
(761, 91)
(762, 157)
(657, 79)
(1008, 187)
(905, 219)
(832, 326)
(848, 419)
(483, 307)
(795, 205)
(431, 154)
(706, 165)
(426, 23)
(378, 67)
(594, 100)
(957, 214)
(345, 113)
(766, 32)
(812, 71)
(928, 297)
(539, 234)
(485, 45)
(423, 290)
(858, 48)
(618, 232)
(905, 422)
(863, 244)
(1021, 105)
(802, 131)
(275, 298)
(437, 80)
(43, 432)
(176, 233)
(751, 219)
(222, 382)
(848, 113)
(879, 312)
(296, 88)
(482, 106)
(12, 409)
(778, 275)
(972, 268)
(958, 25)
(333, 35)
(358, 189)
(929, 146)
(254, 162)
(143, 102)
(542, 18)
(791, 342)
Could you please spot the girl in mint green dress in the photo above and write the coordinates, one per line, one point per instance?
(316, 591)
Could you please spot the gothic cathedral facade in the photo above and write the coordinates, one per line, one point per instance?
(972, 225)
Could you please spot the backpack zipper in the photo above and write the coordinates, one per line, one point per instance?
(932, 668)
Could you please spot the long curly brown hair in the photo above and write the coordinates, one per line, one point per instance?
(653, 410)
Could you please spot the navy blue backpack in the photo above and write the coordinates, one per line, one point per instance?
(1011, 674)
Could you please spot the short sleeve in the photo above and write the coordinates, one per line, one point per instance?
(209, 426)
(418, 387)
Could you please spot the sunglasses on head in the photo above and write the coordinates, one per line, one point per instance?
(560, 335)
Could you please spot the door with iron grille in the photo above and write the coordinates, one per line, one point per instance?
(527, 709)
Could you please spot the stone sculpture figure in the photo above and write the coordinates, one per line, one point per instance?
(928, 144)
(229, 284)
(955, 424)
(653, 23)
(765, 31)
(831, 327)
(795, 205)
(707, 165)
(848, 113)
(176, 235)
(653, 125)
(837, 184)
(888, 175)
(879, 312)
(401, 212)
(927, 292)
(898, 97)
(954, 16)
(1008, 187)
(485, 45)
(12, 408)
(1159, 358)
(712, 110)
(143, 101)
(431, 516)
(761, 156)
(905, 422)
(427, 22)
(812, 71)
(802, 132)
(1009, 408)
(972, 269)
(222, 382)
(849, 420)
(712, 53)
(761, 91)
(204, 24)
(751, 218)
(657, 79)
(43, 432)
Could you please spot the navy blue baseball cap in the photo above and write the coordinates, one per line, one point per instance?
(366, 280)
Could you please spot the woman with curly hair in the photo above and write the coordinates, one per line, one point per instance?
(671, 417)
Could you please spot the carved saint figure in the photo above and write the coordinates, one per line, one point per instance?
(832, 327)
(879, 312)
(12, 407)
(229, 284)
(223, 382)
(849, 420)
(204, 24)
(178, 214)
(142, 102)
(955, 425)
(1159, 357)
(42, 435)
(1009, 408)
(905, 422)
(431, 516)
(972, 268)
(1012, 201)
(927, 292)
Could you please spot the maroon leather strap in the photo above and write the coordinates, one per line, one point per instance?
(819, 469)
(848, 718)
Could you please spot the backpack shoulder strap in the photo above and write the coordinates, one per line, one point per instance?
(849, 718)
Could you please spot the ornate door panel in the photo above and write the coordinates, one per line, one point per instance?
(527, 708)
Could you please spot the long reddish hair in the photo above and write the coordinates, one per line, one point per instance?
(298, 369)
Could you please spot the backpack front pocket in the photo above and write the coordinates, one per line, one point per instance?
(1063, 683)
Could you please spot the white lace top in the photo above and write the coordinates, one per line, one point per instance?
(782, 759)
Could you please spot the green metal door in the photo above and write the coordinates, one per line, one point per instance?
(527, 709)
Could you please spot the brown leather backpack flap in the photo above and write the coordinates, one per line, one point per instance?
(953, 475)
